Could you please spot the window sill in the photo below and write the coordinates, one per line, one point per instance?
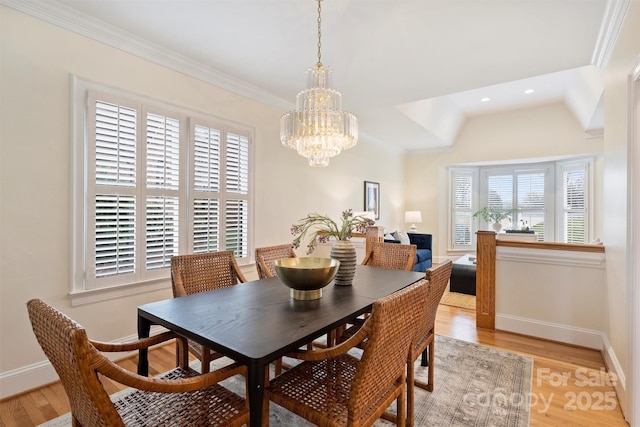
(82, 297)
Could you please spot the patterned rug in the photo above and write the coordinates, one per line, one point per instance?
(474, 386)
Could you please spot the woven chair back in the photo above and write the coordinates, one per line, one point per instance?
(391, 255)
(195, 273)
(66, 345)
(266, 256)
(438, 277)
(384, 359)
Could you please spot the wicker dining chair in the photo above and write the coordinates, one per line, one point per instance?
(384, 255)
(178, 397)
(266, 256)
(333, 388)
(424, 333)
(191, 274)
(391, 255)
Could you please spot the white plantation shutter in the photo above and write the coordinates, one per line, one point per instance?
(574, 203)
(500, 192)
(206, 159)
(237, 164)
(220, 190)
(162, 221)
(163, 152)
(237, 208)
(161, 234)
(500, 195)
(207, 175)
(115, 144)
(115, 235)
(156, 186)
(236, 228)
(206, 225)
(531, 201)
(112, 245)
(464, 183)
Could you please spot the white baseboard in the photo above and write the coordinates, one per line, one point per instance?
(551, 331)
(613, 367)
(29, 377)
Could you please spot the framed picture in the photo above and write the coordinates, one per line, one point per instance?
(372, 198)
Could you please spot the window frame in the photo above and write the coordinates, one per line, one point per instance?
(84, 290)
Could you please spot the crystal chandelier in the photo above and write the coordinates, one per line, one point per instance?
(318, 129)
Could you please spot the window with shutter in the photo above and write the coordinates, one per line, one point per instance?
(160, 181)
(464, 184)
(530, 190)
(574, 220)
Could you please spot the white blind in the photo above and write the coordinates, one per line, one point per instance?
(500, 192)
(115, 144)
(114, 211)
(220, 190)
(161, 234)
(206, 225)
(462, 214)
(237, 164)
(206, 161)
(115, 234)
(237, 227)
(163, 152)
(531, 201)
(573, 204)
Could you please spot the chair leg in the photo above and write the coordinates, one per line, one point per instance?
(278, 366)
(410, 392)
(401, 418)
(431, 349)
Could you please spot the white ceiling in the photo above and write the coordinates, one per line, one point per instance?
(411, 70)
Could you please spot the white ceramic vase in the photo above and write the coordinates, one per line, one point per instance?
(344, 252)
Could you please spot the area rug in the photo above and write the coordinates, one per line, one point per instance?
(474, 386)
(457, 299)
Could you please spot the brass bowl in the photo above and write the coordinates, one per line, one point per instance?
(306, 276)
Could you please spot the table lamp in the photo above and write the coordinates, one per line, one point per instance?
(413, 217)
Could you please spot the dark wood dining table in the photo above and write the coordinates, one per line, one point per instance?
(256, 323)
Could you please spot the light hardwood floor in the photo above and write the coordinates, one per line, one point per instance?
(569, 384)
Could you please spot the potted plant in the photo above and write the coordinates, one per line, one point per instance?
(495, 216)
(323, 228)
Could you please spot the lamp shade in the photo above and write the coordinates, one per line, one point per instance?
(413, 216)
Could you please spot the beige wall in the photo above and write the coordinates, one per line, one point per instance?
(36, 62)
(531, 133)
(615, 219)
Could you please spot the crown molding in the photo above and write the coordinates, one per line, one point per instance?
(58, 14)
(65, 17)
(614, 15)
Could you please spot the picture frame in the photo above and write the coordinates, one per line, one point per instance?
(372, 198)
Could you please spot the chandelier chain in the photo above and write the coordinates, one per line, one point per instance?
(319, 33)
